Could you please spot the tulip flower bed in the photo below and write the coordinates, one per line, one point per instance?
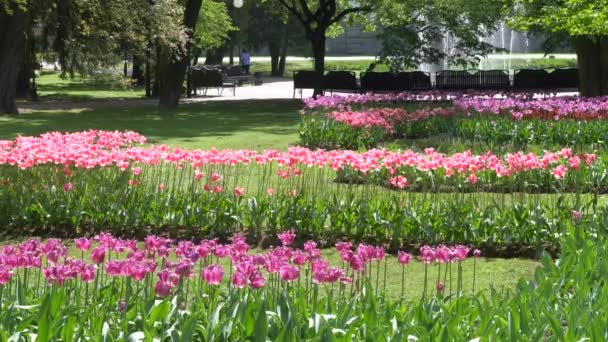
(158, 290)
(126, 283)
(512, 122)
(95, 181)
(340, 102)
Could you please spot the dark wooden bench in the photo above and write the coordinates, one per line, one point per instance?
(372, 81)
(531, 79)
(235, 74)
(205, 78)
(565, 78)
(340, 81)
(305, 79)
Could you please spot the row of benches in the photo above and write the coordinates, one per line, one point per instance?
(566, 78)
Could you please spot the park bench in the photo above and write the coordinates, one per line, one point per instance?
(531, 79)
(305, 79)
(205, 78)
(523, 79)
(235, 74)
(340, 81)
(566, 78)
(373, 81)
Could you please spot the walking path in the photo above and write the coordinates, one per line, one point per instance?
(272, 88)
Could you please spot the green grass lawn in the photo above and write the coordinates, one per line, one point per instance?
(228, 124)
(104, 86)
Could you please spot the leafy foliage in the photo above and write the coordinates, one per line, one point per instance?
(573, 17)
(85, 36)
(411, 31)
(214, 25)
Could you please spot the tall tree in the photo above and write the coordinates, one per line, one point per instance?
(275, 28)
(83, 36)
(583, 21)
(14, 21)
(213, 30)
(317, 17)
(176, 61)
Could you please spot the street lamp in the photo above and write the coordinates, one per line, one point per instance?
(37, 31)
(237, 3)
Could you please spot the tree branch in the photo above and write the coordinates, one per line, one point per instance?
(348, 11)
(298, 15)
(306, 10)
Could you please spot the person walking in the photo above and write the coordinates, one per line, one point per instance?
(245, 61)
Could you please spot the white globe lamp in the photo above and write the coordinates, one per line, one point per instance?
(237, 3)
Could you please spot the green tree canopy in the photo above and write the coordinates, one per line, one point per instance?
(214, 25)
(583, 21)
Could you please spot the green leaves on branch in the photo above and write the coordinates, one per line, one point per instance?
(573, 17)
(214, 25)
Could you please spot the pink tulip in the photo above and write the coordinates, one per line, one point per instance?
(98, 255)
(165, 284)
(87, 274)
(216, 177)
(198, 175)
(289, 273)
(137, 271)
(239, 280)
(299, 258)
(83, 244)
(68, 187)
(213, 274)
(239, 192)
(404, 258)
(257, 280)
(559, 172)
(5, 275)
(287, 238)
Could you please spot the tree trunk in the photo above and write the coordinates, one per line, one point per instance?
(592, 56)
(231, 60)
(174, 71)
(13, 46)
(24, 84)
(214, 57)
(196, 55)
(284, 45)
(318, 40)
(148, 77)
(157, 72)
(137, 72)
(275, 54)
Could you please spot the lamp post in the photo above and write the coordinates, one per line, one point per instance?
(37, 30)
(237, 4)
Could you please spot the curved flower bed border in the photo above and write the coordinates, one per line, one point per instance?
(95, 181)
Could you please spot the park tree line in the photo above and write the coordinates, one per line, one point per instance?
(163, 37)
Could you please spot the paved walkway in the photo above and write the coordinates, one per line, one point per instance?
(272, 88)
